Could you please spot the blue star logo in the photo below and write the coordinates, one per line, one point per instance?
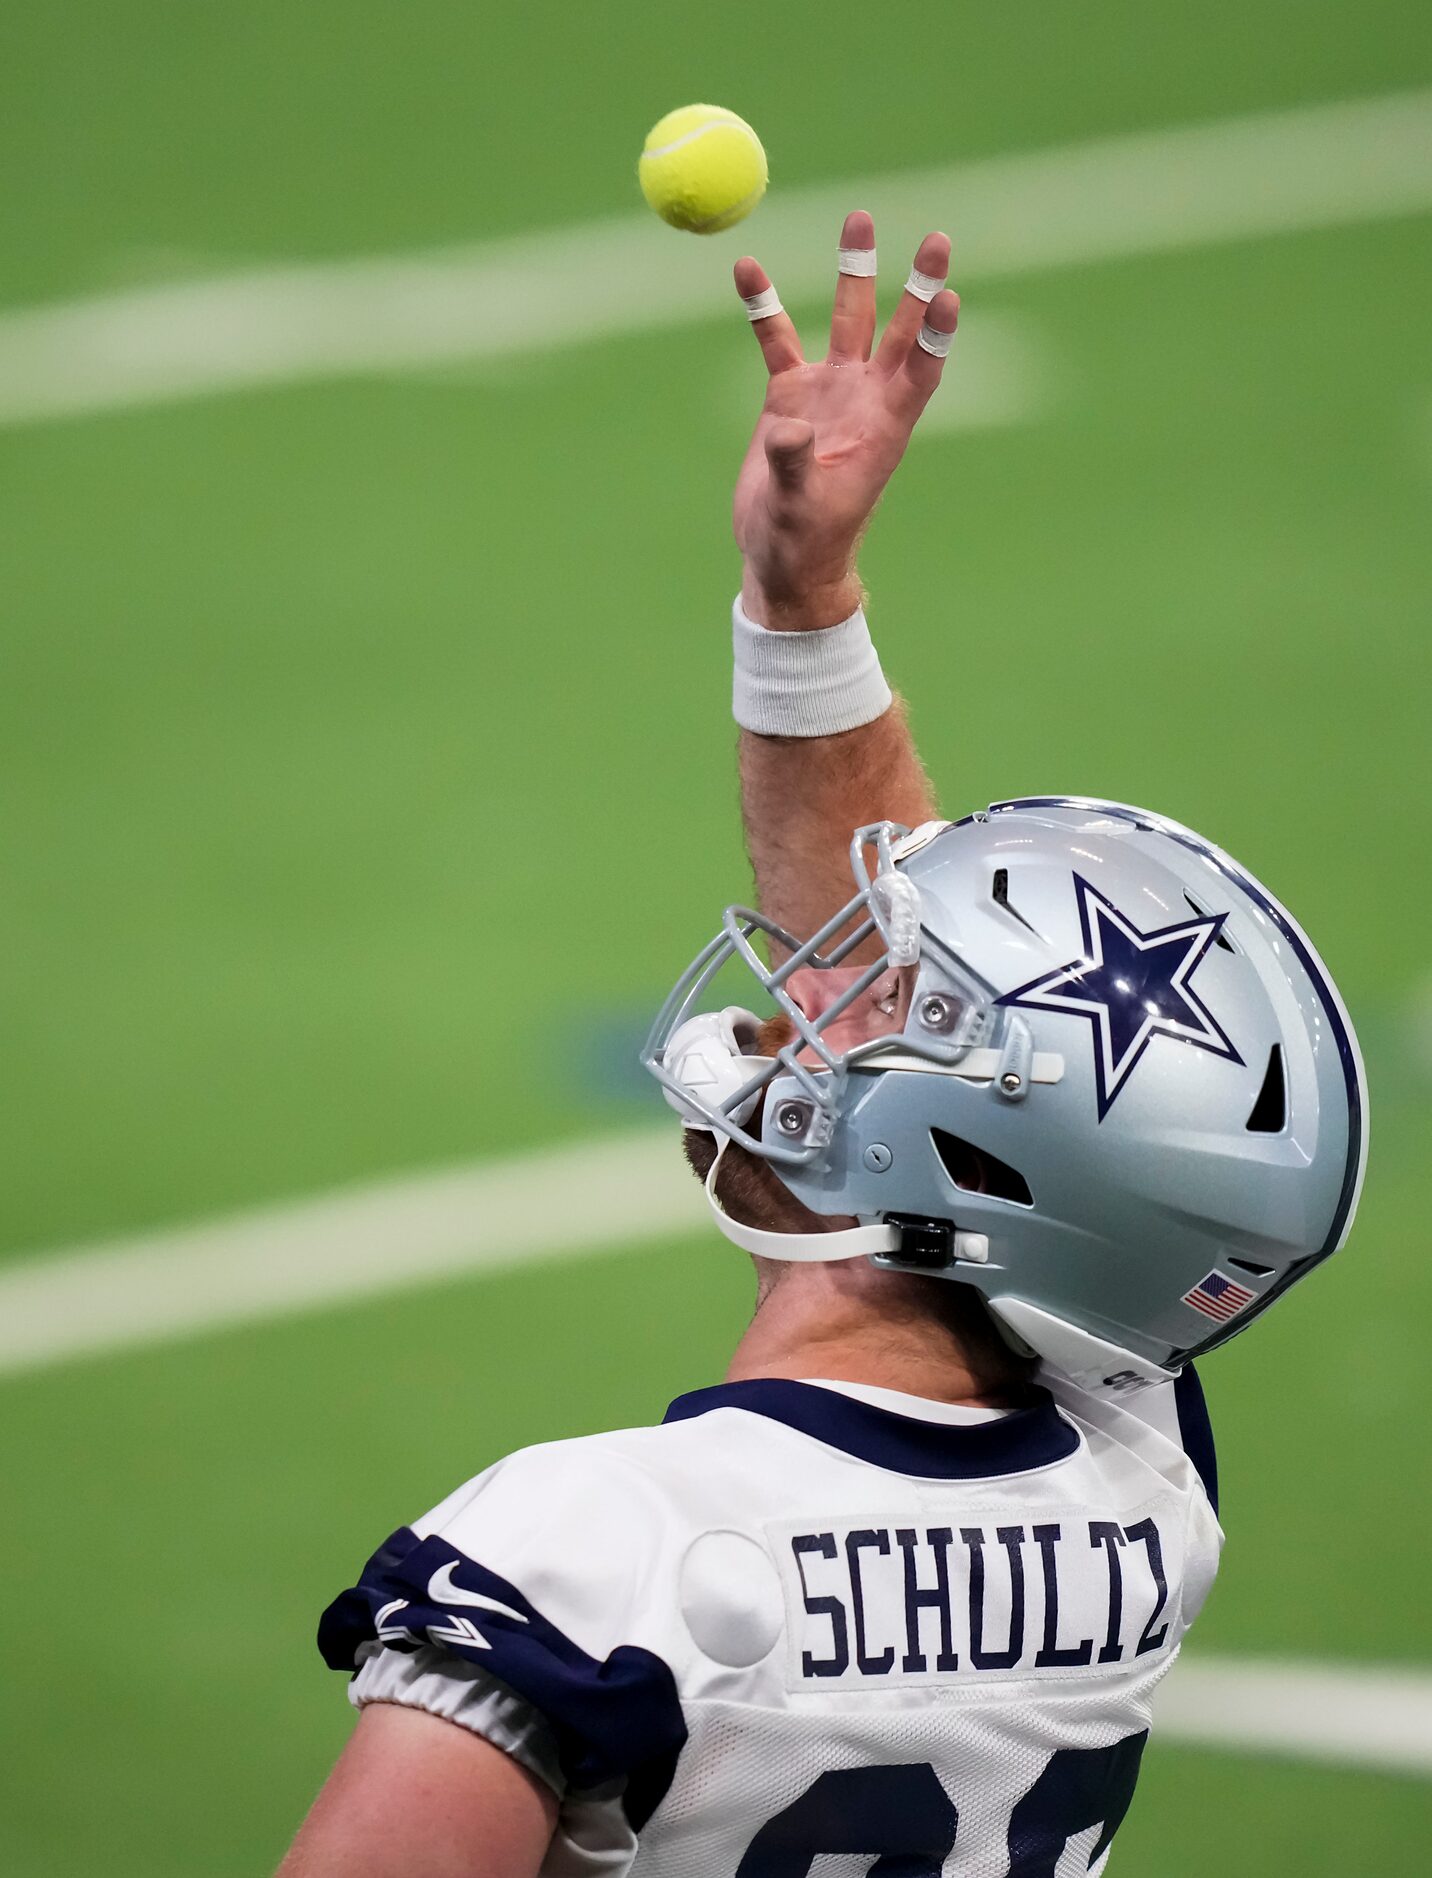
(1132, 986)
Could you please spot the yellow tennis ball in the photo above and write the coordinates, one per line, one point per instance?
(702, 168)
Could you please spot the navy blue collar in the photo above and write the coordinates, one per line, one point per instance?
(1014, 1444)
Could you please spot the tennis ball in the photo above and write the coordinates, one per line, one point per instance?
(702, 168)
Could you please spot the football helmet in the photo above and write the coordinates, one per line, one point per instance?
(1126, 1104)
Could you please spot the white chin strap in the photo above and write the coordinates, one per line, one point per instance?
(804, 1248)
(824, 1248)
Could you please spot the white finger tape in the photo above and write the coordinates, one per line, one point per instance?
(936, 343)
(760, 306)
(923, 286)
(857, 261)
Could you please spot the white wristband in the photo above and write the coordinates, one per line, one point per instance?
(806, 684)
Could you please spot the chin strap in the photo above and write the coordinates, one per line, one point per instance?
(895, 1238)
(807, 1248)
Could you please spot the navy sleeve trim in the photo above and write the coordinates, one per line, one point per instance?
(1195, 1430)
(617, 1719)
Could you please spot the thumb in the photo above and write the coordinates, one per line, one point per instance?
(790, 451)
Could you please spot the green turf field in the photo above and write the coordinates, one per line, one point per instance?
(366, 769)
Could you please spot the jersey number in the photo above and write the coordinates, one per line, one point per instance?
(905, 1822)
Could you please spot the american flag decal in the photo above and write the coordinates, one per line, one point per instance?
(1219, 1297)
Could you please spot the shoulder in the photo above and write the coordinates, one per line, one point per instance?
(576, 1525)
(538, 1573)
(569, 1540)
(603, 1479)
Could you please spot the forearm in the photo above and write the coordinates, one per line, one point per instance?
(803, 797)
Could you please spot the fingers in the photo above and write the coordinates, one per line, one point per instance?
(932, 259)
(852, 325)
(775, 333)
(915, 382)
(790, 451)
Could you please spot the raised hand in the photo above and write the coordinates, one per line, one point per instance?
(830, 435)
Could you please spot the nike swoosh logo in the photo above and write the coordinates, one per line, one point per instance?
(442, 1590)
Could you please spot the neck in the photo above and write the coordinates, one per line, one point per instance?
(850, 1323)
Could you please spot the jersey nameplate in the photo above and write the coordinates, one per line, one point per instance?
(977, 1599)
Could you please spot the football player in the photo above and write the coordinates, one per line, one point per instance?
(1041, 1103)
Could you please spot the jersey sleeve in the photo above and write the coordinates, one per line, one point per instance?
(538, 1575)
(442, 1684)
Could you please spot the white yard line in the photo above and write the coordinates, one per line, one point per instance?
(1336, 1712)
(276, 1261)
(1317, 166)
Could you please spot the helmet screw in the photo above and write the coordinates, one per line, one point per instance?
(1011, 1081)
(937, 1013)
(791, 1118)
(877, 1157)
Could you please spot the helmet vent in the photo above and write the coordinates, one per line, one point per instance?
(976, 1170)
(1270, 1111)
(1001, 898)
(1253, 1269)
(1202, 911)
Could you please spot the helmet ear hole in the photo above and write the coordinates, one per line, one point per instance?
(1270, 1111)
(745, 1027)
(1221, 939)
(975, 1170)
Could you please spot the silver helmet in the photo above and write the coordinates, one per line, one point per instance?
(1126, 1102)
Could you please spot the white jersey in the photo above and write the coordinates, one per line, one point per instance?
(804, 1622)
